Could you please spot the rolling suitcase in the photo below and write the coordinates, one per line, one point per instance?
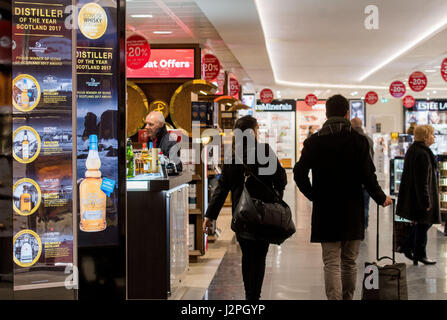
(387, 282)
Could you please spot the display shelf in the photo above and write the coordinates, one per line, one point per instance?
(212, 173)
(195, 211)
(196, 177)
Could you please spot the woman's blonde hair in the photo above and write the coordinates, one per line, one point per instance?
(423, 132)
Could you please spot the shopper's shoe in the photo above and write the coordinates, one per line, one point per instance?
(408, 255)
(415, 262)
(427, 261)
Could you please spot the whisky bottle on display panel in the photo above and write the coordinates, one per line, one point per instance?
(24, 98)
(92, 198)
(25, 146)
(25, 201)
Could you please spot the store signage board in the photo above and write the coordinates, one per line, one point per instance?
(210, 67)
(444, 69)
(166, 63)
(266, 95)
(138, 51)
(276, 106)
(97, 123)
(371, 97)
(408, 101)
(432, 105)
(311, 100)
(397, 89)
(42, 143)
(417, 81)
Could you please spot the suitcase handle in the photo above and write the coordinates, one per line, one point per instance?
(377, 237)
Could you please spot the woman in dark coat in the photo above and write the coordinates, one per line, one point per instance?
(418, 193)
(254, 250)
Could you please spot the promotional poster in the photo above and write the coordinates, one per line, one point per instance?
(97, 119)
(42, 143)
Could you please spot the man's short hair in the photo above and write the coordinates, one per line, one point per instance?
(337, 106)
(423, 132)
(159, 116)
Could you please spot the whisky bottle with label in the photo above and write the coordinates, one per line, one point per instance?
(25, 146)
(24, 98)
(25, 201)
(146, 159)
(92, 198)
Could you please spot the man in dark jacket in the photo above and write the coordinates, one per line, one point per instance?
(340, 162)
(159, 135)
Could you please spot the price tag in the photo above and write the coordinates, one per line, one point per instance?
(266, 95)
(397, 89)
(417, 81)
(211, 67)
(371, 97)
(138, 52)
(311, 100)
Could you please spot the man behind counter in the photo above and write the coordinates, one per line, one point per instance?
(159, 135)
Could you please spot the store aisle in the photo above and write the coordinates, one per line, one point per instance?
(295, 270)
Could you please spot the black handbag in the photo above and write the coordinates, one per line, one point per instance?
(271, 222)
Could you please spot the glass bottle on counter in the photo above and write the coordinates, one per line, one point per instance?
(25, 146)
(155, 161)
(92, 198)
(146, 159)
(25, 200)
(130, 168)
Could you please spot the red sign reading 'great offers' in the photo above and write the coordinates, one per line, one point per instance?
(166, 63)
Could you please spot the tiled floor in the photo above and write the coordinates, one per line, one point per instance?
(295, 270)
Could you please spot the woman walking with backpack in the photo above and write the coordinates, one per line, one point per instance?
(247, 158)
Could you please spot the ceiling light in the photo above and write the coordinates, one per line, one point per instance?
(430, 71)
(141, 15)
(262, 12)
(203, 92)
(162, 32)
(363, 98)
(434, 91)
(354, 93)
(418, 39)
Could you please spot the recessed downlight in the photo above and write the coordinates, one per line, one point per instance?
(141, 15)
(162, 32)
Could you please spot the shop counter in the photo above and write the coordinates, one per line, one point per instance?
(157, 229)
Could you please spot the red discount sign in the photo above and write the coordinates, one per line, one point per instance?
(408, 101)
(266, 95)
(371, 97)
(211, 67)
(397, 89)
(311, 100)
(417, 81)
(444, 69)
(138, 52)
(234, 87)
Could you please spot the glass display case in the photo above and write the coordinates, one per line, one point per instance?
(442, 165)
(278, 128)
(399, 144)
(396, 169)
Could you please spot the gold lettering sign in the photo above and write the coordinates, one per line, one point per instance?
(160, 106)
